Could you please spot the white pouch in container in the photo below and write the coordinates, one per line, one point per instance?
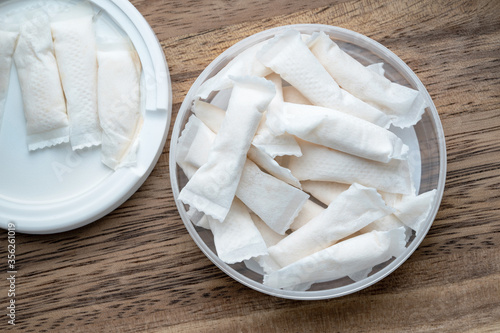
(265, 140)
(353, 210)
(276, 145)
(213, 116)
(271, 137)
(403, 105)
(76, 55)
(325, 192)
(345, 258)
(308, 212)
(289, 56)
(258, 190)
(212, 188)
(377, 68)
(413, 210)
(292, 95)
(344, 132)
(43, 98)
(270, 165)
(274, 201)
(271, 238)
(386, 223)
(237, 238)
(244, 64)
(324, 164)
(8, 40)
(209, 114)
(119, 103)
(194, 145)
(198, 219)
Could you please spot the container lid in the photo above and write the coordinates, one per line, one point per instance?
(55, 189)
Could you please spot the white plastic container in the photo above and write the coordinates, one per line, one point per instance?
(55, 189)
(426, 140)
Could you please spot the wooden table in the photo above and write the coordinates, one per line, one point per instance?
(138, 270)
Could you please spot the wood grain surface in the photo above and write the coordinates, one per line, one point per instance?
(138, 270)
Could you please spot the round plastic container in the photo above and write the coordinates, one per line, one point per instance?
(426, 139)
(56, 189)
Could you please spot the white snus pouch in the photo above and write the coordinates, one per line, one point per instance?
(244, 64)
(8, 41)
(194, 145)
(344, 132)
(325, 192)
(213, 117)
(345, 258)
(274, 201)
(351, 211)
(43, 98)
(289, 56)
(237, 238)
(413, 210)
(323, 164)
(119, 103)
(403, 105)
(76, 54)
(270, 198)
(212, 188)
(308, 212)
(270, 136)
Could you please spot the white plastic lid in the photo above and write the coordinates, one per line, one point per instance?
(55, 189)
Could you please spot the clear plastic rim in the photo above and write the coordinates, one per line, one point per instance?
(344, 35)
